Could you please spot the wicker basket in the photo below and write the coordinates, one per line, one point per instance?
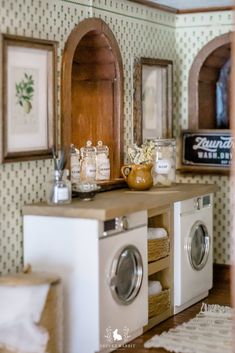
(52, 316)
(159, 303)
(158, 248)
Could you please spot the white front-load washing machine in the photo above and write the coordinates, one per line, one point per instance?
(193, 250)
(123, 284)
(103, 267)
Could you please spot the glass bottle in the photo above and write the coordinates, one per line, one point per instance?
(164, 162)
(58, 189)
(75, 165)
(88, 163)
(102, 162)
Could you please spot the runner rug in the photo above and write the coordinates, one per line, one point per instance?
(209, 332)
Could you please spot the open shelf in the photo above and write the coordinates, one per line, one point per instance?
(162, 269)
(153, 321)
(158, 265)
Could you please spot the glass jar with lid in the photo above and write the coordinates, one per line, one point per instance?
(102, 162)
(74, 164)
(164, 162)
(88, 163)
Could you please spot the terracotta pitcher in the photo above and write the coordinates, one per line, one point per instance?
(138, 176)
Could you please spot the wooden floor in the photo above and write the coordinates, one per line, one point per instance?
(220, 294)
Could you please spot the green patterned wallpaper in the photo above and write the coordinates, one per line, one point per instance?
(140, 31)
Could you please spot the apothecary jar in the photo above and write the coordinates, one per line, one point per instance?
(164, 162)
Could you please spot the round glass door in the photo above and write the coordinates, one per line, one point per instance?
(198, 246)
(126, 275)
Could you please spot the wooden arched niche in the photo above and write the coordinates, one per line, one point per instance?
(92, 90)
(203, 78)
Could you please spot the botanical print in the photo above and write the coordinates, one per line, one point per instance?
(24, 90)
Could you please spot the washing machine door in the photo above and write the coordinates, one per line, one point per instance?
(198, 246)
(126, 275)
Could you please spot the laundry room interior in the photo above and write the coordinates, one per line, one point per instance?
(116, 220)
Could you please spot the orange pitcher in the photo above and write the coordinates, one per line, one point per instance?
(138, 176)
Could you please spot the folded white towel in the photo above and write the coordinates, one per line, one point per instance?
(154, 287)
(24, 337)
(20, 311)
(156, 233)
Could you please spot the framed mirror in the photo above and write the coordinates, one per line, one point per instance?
(152, 106)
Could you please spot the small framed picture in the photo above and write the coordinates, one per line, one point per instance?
(29, 97)
(152, 99)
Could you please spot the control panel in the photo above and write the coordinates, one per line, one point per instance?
(124, 223)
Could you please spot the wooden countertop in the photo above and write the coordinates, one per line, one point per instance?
(107, 205)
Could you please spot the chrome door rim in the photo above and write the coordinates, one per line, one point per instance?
(139, 273)
(207, 246)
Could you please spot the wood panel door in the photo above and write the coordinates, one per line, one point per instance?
(89, 113)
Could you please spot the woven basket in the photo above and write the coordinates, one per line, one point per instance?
(159, 303)
(158, 248)
(52, 316)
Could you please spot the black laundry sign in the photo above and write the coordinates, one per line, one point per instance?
(209, 148)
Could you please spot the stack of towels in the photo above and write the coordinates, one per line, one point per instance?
(155, 287)
(156, 233)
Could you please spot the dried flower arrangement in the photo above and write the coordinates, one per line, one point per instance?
(142, 154)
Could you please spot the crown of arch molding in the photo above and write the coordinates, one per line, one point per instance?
(217, 45)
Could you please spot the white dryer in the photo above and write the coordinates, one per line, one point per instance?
(193, 248)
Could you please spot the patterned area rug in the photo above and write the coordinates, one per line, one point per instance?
(209, 332)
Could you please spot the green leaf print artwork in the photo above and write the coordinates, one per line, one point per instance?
(24, 92)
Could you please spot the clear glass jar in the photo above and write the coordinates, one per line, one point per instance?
(58, 190)
(164, 162)
(102, 162)
(88, 163)
(75, 164)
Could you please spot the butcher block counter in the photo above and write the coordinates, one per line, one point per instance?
(107, 205)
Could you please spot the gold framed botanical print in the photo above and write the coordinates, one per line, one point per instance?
(29, 96)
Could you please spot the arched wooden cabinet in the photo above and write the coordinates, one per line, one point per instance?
(92, 90)
(203, 77)
(206, 146)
